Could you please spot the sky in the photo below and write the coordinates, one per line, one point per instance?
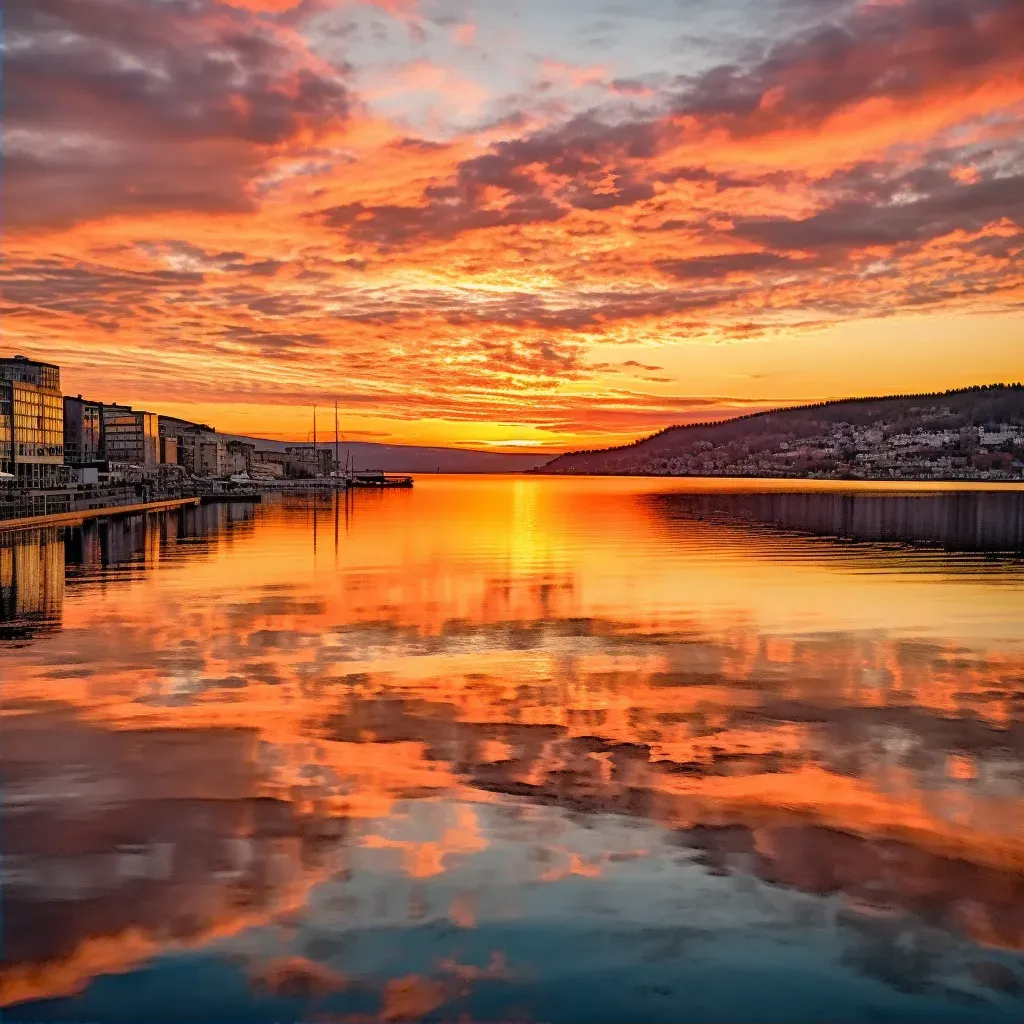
(512, 224)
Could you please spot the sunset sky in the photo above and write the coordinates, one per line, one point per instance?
(554, 223)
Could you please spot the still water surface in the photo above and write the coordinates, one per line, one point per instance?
(519, 749)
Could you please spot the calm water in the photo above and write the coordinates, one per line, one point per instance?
(519, 749)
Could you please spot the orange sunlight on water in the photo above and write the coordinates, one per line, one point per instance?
(248, 699)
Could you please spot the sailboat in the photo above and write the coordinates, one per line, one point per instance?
(336, 449)
(368, 478)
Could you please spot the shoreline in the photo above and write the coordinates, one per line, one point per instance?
(952, 481)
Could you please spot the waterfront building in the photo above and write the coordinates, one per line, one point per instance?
(202, 454)
(188, 450)
(130, 436)
(6, 427)
(83, 431)
(263, 470)
(168, 450)
(276, 460)
(238, 457)
(296, 462)
(317, 461)
(212, 458)
(173, 426)
(31, 422)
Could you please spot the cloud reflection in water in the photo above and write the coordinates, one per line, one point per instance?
(495, 740)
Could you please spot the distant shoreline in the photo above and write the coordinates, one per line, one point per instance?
(976, 481)
(971, 434)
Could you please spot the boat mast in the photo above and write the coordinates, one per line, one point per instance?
(316, 467)
(336, 448)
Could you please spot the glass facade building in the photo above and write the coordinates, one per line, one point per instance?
(6, 407)
(83, 431)
(22, 370)
(31, 422)
(38, 425)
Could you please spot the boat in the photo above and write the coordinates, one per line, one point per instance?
(227, 497)
(379, 479)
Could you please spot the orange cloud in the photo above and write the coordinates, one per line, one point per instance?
(226, 220)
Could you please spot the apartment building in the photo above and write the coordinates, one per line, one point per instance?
(130, 436)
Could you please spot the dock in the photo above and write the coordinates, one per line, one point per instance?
(371, 479)
(77, 518)
(322, 483)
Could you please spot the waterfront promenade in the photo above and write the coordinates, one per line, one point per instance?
(79, 517)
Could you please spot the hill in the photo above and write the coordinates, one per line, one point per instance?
(401, 458)
(973, 433)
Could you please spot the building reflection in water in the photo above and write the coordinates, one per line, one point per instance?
(142, 540)
(31, 582)
(397, 755)
(35, 564)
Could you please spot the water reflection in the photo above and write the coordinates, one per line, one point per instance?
(119, 844)
(36, 564)
(31, 583)
(971, 520)
(515, 748)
